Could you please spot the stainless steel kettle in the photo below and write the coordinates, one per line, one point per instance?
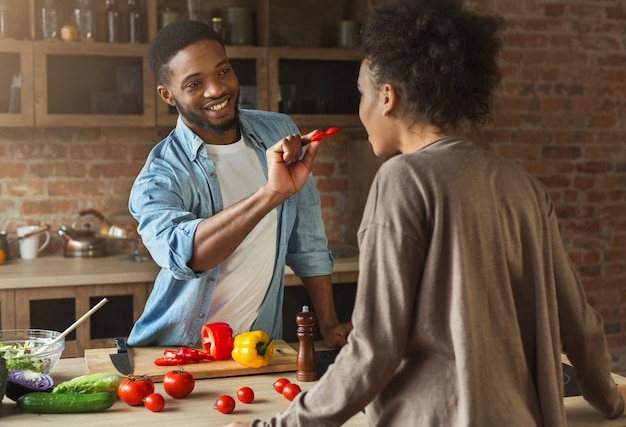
(82, 242)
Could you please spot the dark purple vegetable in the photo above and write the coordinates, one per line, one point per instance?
(22, 382)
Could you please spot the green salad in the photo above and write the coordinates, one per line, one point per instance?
(18, 357)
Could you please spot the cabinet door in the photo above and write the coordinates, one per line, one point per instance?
(7, 309)
(57, 308)
(93, 84)
(316, 87)
(16, 83)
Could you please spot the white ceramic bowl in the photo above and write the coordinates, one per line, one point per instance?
(18, 346)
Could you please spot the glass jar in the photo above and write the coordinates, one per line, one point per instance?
(4, 19)
(83, 18)
(49, 20)
(113, 21)
(133, 22)
(219, 27)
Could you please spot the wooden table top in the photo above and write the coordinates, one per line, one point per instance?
(195, 410)
(198, 409)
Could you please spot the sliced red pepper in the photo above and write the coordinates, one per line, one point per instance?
(168, 361)
(217, 340)
(182, 356)
(171, 354)
(192, 355)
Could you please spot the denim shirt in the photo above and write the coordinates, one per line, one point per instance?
(175, 190)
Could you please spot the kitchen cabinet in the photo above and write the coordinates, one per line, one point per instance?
(51, 292)
(96, 83)
(58, 307)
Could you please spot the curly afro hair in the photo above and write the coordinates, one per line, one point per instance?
(440, 56)
(170, 40)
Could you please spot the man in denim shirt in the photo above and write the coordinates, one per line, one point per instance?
(223, 203)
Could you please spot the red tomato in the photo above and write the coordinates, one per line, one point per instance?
(133, 389)
(291, 390)
(154, 402)
(225, 404)
(245, 395)
(279, 384)
(178, 384)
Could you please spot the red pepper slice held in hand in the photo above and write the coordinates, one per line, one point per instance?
(317, 135)
(217, 340)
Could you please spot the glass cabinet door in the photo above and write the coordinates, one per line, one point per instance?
(77, 85)
(315, 86)
(16, 83)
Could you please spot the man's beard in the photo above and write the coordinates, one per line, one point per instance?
(206, 124)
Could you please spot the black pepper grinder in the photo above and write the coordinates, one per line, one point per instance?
(306, 369)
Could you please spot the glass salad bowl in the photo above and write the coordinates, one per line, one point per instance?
(36, 350)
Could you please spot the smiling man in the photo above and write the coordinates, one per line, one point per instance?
(224, 202)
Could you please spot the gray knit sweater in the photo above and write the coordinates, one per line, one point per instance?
(465, 301)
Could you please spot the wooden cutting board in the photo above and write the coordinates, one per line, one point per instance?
(142, 359)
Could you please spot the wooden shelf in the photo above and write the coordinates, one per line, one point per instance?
(52, 95)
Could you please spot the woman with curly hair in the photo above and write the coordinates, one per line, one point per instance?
(466, 297)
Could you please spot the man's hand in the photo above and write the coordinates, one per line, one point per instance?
(287, 173)
(336, 336)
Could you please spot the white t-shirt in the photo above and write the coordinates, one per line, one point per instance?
(245, 275)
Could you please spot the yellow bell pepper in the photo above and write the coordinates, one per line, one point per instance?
(253, 349)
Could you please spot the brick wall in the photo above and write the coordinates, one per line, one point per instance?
(560, 114)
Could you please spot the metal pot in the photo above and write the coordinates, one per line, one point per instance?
(83, 242)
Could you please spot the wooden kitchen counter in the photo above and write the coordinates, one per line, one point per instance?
(195, 410)
(56, 270)
(71, 286)
(198, 410)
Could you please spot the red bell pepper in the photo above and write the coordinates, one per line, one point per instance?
(217, 340)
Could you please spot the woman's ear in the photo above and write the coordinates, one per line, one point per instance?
(389, 98)
(166, 95)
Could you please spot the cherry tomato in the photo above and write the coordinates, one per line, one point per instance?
(291, 390)
(245, 395)
(154, 402)
(178, 384)
(225, 404)
(133, 389)
(279, 384)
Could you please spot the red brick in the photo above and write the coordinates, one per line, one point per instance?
(26, 188)
(615, 12)
(553, 10)
(323, 169)
(12, 170)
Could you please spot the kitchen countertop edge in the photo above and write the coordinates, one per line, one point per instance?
(56, 270)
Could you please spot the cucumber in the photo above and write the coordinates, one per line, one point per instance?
(65, 403)
(4, 377)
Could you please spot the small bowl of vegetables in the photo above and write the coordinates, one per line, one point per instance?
(36, 350)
